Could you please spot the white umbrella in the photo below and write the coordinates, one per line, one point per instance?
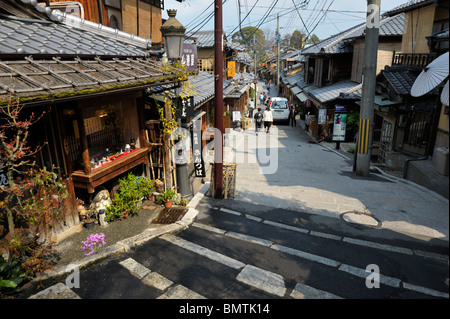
(444, 94)
(431, 76)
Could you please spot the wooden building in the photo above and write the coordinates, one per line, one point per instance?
(93, 88)
(139, 17)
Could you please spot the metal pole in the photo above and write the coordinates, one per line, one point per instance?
(218, 101)
(278, 54)
(256, 79)
(368, 89)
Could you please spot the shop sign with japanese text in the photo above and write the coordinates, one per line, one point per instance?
(199, 165)
(189, 56)
(185, 107)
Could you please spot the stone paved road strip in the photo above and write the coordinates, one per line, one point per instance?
(262, 279)
(302, 291)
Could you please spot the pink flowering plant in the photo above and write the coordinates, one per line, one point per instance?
(93, 243)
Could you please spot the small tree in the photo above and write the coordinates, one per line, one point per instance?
(28, 193)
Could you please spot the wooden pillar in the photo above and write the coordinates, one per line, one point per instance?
(167, 161)
(84, 143)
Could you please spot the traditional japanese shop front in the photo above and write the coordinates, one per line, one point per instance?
(104, 139)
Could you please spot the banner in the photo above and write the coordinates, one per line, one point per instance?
(189, 56)
(231, 69)
(199, 165)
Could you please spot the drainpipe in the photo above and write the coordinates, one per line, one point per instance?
(405, 167)
(100, 12)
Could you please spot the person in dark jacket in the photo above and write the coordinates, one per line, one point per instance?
(258, 120)
(292, 116)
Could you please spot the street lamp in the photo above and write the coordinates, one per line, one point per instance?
(173, 33)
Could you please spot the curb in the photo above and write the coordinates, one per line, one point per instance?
(126, 244)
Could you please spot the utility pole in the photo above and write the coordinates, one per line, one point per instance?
(368, 89)
(218, 101)
(256, 79)
(278, 55)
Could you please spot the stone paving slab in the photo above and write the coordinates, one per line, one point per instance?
(315, 179)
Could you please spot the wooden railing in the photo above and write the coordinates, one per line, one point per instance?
(419, 60)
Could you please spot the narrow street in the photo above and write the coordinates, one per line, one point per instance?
(227, 254)
(284, 235)
(112, 111)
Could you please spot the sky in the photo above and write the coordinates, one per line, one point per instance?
(323, 18)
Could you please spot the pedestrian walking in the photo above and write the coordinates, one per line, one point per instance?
(261, 98)
(258, 120)
(268, 119)
(251, 108)
(292, 116)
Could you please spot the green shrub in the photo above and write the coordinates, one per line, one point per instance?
(11, 275)
(128, 199)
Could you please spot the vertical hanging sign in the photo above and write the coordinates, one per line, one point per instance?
(185, 107)
(189, 56)
(231, 69)
(199, 165)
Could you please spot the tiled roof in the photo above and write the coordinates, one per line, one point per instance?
(294, 79)
(29, 23)
(55, 78)
(204, 39)
(203, 84)
(339, 43)
(401, 80)
(247, 77)
(331, 92)
(410, 5)
(46, 55)
(55, 39)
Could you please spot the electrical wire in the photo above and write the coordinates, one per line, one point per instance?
(200, 25)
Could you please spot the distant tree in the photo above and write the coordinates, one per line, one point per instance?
(286, 40)
(313, 39)
(245, 36)
(297, 40)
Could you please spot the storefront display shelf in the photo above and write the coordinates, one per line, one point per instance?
(110, 170)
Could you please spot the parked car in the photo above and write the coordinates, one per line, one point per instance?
(280, 109)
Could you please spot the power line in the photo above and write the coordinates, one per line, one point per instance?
(303, 22)
(319, 20)
(198, 17)
(265, 16)
(202, 23)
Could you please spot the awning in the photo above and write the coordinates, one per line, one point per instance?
(331, 92)
(302, 96)
(296, 90)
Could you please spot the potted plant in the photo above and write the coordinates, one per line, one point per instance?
(90, 218)
(168, 196)
(150, 190)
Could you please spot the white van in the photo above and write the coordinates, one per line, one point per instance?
(280, 109)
